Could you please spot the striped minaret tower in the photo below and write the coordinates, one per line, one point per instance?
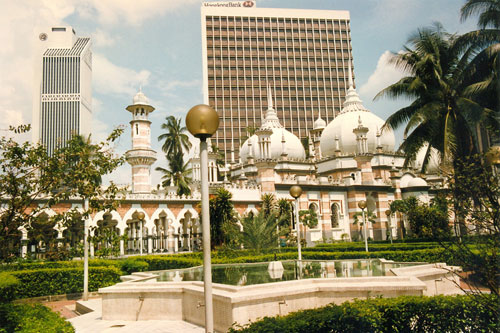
(141, 156)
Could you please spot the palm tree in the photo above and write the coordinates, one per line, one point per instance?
(176, 140)
(178, 175)
(259, 231)
(483, 48)
(440, 113)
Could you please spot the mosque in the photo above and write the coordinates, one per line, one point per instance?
(348, 160)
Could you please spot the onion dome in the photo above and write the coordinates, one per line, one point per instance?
(342, 126)
(293, 147)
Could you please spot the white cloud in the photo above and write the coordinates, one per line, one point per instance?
(384, 75)
(110, 12)
(109, 78)
(101, 38)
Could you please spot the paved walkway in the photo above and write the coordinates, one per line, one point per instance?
(93, 323)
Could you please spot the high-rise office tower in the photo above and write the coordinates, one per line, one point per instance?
(302, 54)
(62, 94)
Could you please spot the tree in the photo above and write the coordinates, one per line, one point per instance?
(176, 140)
(477, 200)
(483, 48)
(268, 203)
(309, 218)
(285, 214)
(259, 231)
(32, 181)
(223, 227)
(178, 175)
(441, 113)
(425, 221)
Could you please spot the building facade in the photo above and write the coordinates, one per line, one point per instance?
(302, 54)
(62, 95)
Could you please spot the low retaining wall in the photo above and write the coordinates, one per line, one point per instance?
(184, 300)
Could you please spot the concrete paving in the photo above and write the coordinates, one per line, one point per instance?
(92, 323)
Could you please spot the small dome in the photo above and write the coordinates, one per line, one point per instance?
(417, 182)
(319, 124)
(293, 146)
(140, 98)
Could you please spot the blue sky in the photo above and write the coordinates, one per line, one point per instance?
(157, 44)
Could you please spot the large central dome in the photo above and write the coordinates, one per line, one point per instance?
(352, 115)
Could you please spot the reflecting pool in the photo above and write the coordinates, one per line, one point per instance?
(259, 273)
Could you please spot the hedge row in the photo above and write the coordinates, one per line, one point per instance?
(31, 318)
(55, 281)
(401, 314)
(8, 285)
(19, 266)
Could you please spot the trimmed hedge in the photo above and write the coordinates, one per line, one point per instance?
(57, 281)
(8, 286)
(19, 266)
(31, 318)
(401, 314)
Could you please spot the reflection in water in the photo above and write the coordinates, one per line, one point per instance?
(258, 273)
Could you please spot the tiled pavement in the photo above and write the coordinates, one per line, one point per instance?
(92, 323)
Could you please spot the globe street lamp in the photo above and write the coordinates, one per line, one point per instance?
(141, 217)
(86, 252)
(362, 205)
(296, 191)
(389, 223)
(202, 122)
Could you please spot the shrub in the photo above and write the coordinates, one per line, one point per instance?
(157, 263)
(57, 281)
(401, 314)
(8, 285)
(26, 265)
(131, 265)
(31, 318)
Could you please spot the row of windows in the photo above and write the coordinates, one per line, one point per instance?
(61, 75)
(263, 59)
(58, 122)
(274, 21)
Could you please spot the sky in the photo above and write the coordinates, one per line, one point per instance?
(156, 45)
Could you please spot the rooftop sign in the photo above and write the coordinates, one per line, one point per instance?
(231, 4)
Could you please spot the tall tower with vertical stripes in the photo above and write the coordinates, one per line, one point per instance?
(62, 95)
(302, 54)
(141, 156)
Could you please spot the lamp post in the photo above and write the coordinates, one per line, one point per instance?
(141, 217)
(202, 121)
(389, 223)
(362, 205)
(86, 253)
(296, 191)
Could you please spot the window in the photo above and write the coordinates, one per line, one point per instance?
(335, 215)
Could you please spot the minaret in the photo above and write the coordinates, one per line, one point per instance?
(141, 156)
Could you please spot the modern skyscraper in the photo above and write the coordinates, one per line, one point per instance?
(62, 94)
(302, 54)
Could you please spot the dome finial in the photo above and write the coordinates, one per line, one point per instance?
(269, 97)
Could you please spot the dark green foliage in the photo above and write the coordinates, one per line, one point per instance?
(426, 221)
(156, 263)
(259, 231)
(31, 318)
(401, 314)
(223, 227)
(309, 218)
(58, 281)
(8, 285)
(131, 265)
(26, 265)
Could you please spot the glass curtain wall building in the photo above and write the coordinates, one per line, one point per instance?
(62, 92)
(302, 54)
